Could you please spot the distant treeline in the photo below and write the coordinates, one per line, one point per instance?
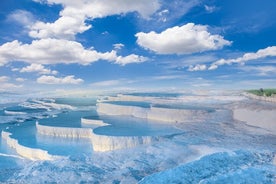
(263, 92)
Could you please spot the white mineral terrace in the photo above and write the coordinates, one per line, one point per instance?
(103, 143)
(168, 100)
(94, 122)
(153, 113)
(64, 131)
(265, 119)
(30, 153)
(100, 143)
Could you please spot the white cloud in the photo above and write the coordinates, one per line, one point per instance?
(262, 53)
(257, 83)
(163, 15)
(169, 12)
(99, 9)
(15, 69)
(213, 67)
(38, 68)
(202, 85)
(162, 12)
(4, 78)
(20, 79)
(187, 39)
(103, 8)
(210, 9)
(65, 28)
(9, 87)
(197, 67)
(105, 33)
(46, 79)
(260, 70)
(22, 17)
(74, 14)
(188, 61)
(54, 51)
(5, 85)
(118, 46)
(50, 51)
(132, 58)
(197, 59)
(168, 77)
(108, 83)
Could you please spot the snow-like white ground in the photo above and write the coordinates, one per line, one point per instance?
(265, 119)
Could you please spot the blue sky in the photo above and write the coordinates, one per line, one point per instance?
(57, 45)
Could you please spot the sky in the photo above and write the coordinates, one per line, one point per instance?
(65, 45)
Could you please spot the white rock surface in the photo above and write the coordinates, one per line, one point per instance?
(100, 143)
(265, 119)
(30, 153)
(153, 113)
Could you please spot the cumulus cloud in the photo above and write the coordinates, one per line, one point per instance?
(38, 68)
(54, 51)
(64, 27)
(73, 16)
(6, 85)
(262, 53)
(9, 87)
(46, 79)
(51, 51)
(213, 67)
(19, 79)
(187, 39)
(132, 58)
(198, 67)
(99, 9)
(4, 78)
(22, 17)
(15, 69)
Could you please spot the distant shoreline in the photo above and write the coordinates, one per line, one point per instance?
(263, 98)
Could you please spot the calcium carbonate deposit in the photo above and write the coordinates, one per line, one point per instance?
(139, 138)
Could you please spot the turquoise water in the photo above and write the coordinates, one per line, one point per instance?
(67, 118)
(130, 126)
(156, 94)
(184, 106)
(131, 103)
(78, 102)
